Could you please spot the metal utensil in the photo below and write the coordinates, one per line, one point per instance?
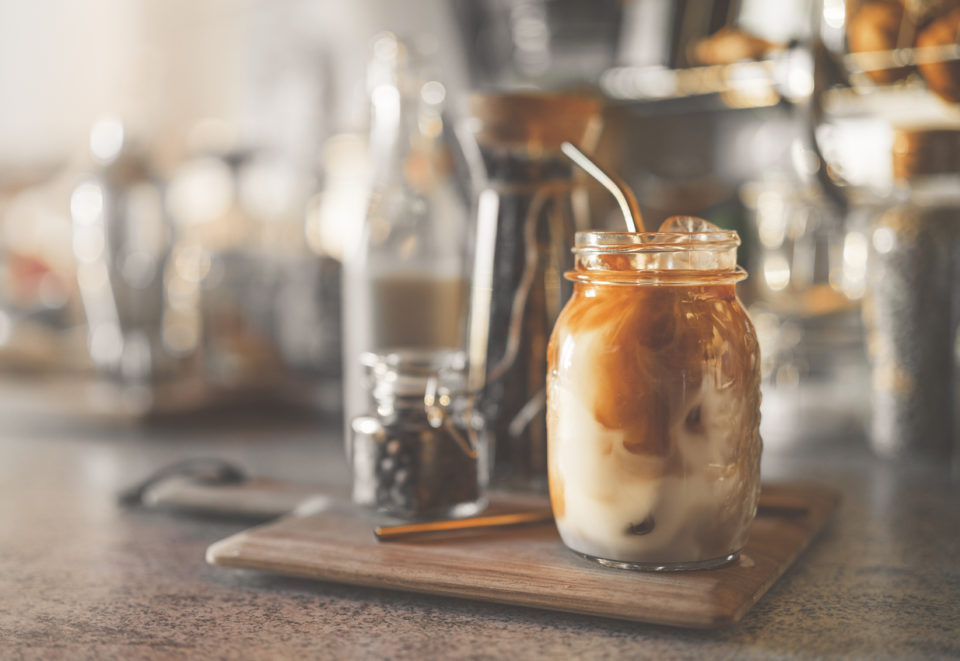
(407, 531)
(771, 504)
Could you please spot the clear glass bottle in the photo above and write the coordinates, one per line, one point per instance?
(653, 401)
(420, 450)
(404, 282)
(805, 302)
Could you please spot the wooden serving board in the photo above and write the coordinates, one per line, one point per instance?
(529, 566)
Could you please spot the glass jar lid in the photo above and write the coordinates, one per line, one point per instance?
(401, 377)
(429, 384)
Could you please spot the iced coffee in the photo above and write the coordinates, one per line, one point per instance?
(653, 401)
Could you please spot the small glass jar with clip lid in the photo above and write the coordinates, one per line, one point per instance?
(422, 450)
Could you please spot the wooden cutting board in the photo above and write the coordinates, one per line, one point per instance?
(529, 566)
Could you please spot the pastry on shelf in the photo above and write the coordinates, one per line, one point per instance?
(729, 45)
(942, 77)
(881, 25)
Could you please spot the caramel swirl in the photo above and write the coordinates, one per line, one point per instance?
(655, 345)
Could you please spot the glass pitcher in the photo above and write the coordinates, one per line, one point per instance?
(528, 209)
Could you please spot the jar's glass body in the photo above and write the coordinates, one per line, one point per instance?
(912, 316)
(653, 410)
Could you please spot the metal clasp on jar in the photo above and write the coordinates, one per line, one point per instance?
(436, 404)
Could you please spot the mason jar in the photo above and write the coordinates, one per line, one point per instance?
(653, 397)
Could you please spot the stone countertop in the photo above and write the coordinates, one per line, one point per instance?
(81, 577)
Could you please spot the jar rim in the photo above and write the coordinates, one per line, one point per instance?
(657, 258)
(677, 277)
(593, 242)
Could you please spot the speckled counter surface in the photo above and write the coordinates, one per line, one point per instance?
(81, 578)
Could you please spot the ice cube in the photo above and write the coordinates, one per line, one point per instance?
(688, 225)
(704, 260)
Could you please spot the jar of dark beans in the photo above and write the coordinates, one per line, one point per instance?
(422, 451)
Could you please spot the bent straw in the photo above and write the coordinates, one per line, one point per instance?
(621, 192)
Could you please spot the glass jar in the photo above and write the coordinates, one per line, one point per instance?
(422, 450)
(810, 265)
(653, 397)
(912, 310)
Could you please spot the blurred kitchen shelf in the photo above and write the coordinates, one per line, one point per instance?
(907, 102)
(789, 75)
(746, 84)
(96, 400)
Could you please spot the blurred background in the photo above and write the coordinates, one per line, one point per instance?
(181, 183)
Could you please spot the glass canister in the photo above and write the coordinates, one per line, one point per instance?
(653, 397)
(421, 450)
(912, 310)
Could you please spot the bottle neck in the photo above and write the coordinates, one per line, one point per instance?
(388, 133)
(402, 152)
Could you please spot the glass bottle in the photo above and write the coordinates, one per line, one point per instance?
(404, 280)
(653, 401)
(122, 238)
